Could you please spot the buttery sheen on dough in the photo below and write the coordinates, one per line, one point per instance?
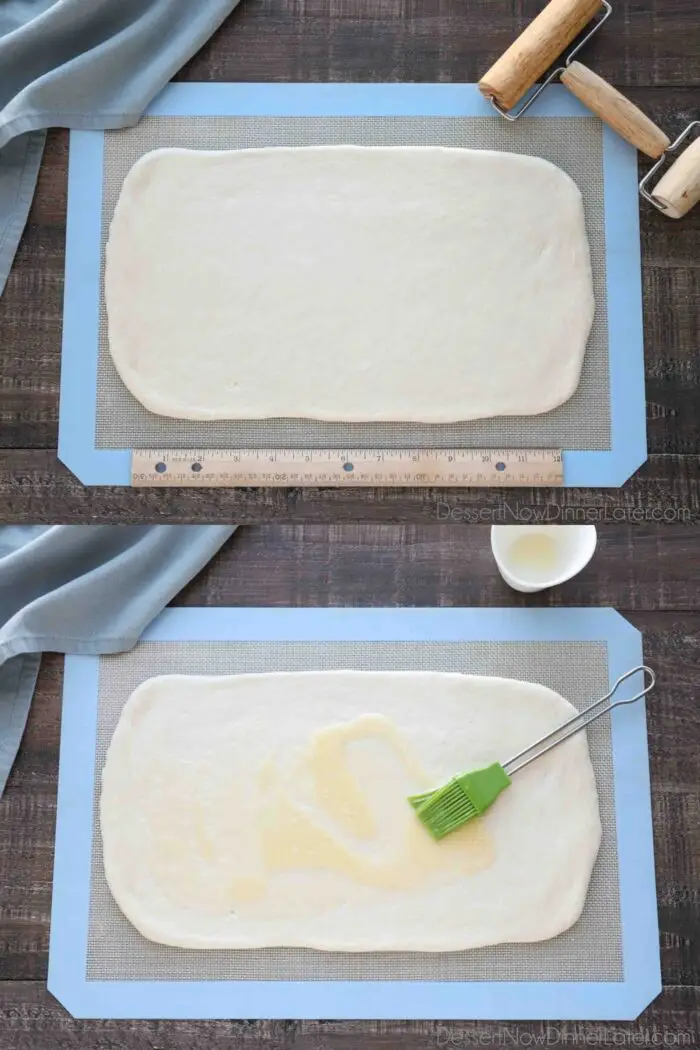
(348, 283)
(263, 810)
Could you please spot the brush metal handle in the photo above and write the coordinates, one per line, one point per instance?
(579, 721)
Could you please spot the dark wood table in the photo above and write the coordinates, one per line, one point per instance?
(651, 50)
(650, 573)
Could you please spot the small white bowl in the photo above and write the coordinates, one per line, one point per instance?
(534, 557)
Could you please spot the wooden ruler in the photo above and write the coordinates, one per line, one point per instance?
(281, 467)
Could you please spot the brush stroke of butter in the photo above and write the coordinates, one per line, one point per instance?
(340, 831)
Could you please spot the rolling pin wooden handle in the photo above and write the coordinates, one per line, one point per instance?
(679, 189)
(536, 49)
(615, 110)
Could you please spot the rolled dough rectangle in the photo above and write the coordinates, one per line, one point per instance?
(346, 283)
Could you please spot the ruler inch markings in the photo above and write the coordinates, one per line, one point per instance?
(346, 467)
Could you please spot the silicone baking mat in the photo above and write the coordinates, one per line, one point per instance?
(601, 427)
(606, 966)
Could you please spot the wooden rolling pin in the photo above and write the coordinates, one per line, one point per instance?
(615, 110)
(537, 49)
(539, 46)
(679, 189)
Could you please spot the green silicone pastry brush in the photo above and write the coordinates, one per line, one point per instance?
(470, 794)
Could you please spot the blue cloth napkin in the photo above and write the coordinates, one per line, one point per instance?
(83, 589)
(82, 64)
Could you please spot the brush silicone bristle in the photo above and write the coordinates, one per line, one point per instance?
(461, 799)
(446, 809)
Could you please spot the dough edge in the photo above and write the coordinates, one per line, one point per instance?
(151, 399)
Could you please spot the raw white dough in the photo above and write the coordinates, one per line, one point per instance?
(348, 283)
(187, 781)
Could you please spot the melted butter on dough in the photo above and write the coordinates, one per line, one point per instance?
(248, 888)
(293, 838)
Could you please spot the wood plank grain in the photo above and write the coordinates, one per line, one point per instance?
(636, 567)
(31, 1019)
(27, 822)
(36, 488)
(31, 311)
(653, 45)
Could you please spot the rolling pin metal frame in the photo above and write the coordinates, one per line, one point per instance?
(507, 83)
(673, 148)
(513, 114)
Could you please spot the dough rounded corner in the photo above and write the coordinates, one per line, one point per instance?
(578, 901)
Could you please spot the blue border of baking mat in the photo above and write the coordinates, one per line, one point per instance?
(78, 406)
(439, 1000)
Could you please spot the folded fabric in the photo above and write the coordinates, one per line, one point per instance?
(82, 64)
(84, 589)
